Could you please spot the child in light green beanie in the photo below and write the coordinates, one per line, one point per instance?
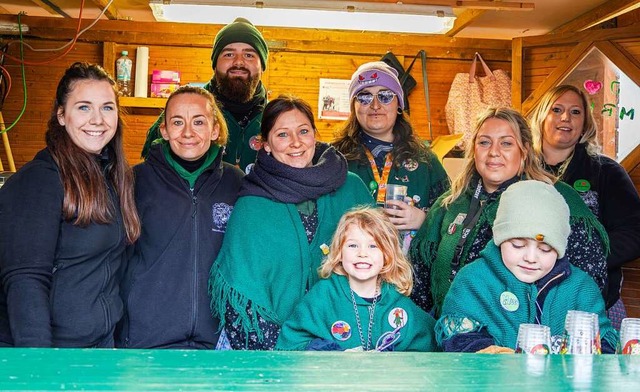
(520, 277)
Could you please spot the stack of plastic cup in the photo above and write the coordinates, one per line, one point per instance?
(581, 333)
(533, 339)
(630, 336)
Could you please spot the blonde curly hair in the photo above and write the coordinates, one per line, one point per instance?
(396, 268)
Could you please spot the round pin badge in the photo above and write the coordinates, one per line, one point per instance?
(410, 164)
(373, 185)
(341, 330)
(248, 169)
(452, 228)
(255, 143)
(398, 318)
(540, 349)
(582, 185)
(509, 301)
(631, 347)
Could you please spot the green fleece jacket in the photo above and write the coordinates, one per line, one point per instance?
(490, 296)
(327, 312)
(266, 262)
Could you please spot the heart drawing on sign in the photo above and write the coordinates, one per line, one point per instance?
(592, 86)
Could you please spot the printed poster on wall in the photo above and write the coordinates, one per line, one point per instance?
(333, 99)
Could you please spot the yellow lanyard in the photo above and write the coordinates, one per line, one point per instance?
(381, 181)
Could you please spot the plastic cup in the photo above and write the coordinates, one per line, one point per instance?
(395, 192)
(581, 333)
(630, 336)
(533, 339)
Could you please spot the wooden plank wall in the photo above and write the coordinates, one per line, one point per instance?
(298, 59)
(540, 57)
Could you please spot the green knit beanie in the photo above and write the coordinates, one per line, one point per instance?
(533, 209)
(241, 30)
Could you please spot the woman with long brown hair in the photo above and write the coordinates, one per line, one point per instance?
(66, 218)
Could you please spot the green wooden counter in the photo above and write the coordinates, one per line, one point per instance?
(92, 369)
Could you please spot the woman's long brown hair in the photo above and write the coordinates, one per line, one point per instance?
(86, 196)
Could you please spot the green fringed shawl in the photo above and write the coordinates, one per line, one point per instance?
(266, 264)
(435, 247)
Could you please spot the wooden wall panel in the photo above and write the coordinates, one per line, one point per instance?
(298, 59)
(538, 63)
(631, 47)
(27, 137)
(300, 73)
(635, 177)
(631, 288)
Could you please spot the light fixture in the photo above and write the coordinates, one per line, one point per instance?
(340, 15)
(11, 28)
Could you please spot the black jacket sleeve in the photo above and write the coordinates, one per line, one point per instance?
(621, 216)
(468, 342)
(30, 216)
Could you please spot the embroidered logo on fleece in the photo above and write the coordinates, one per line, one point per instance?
(220, 214)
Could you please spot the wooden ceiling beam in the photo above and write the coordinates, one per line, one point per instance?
(51, 7)
(450, 3)
(496, 5)
(111, 12)
(463, 20)
(602, 13)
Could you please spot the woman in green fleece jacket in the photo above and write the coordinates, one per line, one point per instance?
(280, 228)
(362, 304)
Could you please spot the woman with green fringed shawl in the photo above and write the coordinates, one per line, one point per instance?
(459, 225)
(281, 227)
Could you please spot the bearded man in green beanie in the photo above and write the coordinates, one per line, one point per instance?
(238, 59)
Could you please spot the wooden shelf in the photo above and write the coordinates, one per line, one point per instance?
(136, 102)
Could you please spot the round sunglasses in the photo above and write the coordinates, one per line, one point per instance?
(384, 97)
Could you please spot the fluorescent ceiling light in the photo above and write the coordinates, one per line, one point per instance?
(340, 15)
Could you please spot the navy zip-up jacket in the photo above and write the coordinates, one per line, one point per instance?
(58, 281)
(165, 284)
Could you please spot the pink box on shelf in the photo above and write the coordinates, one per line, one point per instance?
(163, 90)
(163, 76)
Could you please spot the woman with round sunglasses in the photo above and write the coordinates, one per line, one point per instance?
(382, 148)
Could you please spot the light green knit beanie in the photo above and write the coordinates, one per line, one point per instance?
(533, 209)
